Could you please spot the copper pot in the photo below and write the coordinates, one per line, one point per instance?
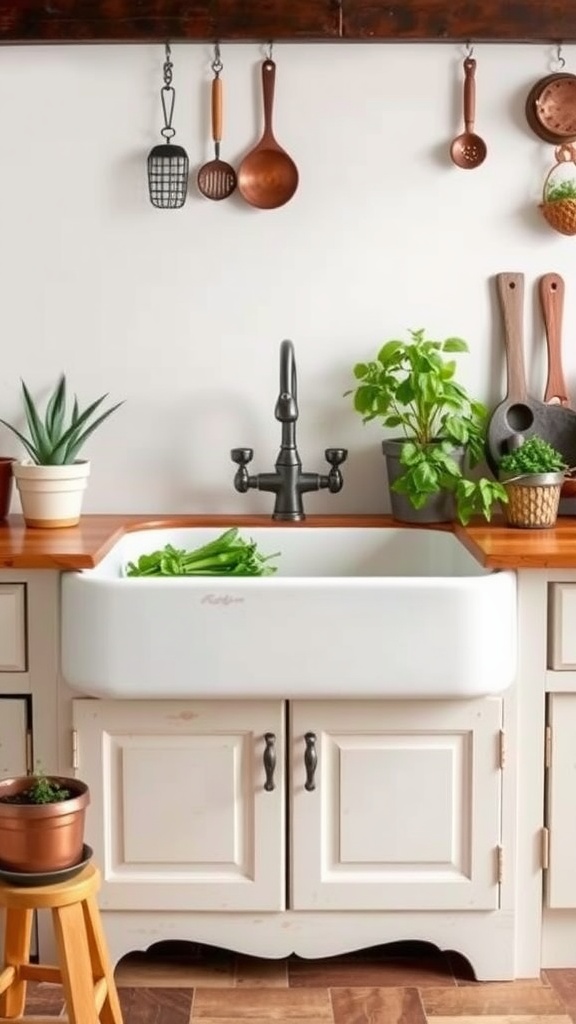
(551, 108)
(42, 837)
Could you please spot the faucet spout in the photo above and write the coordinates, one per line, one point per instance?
(286, 410)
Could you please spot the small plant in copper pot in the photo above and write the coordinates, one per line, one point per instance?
(42, 819)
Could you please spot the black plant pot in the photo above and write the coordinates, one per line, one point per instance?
(440, 507)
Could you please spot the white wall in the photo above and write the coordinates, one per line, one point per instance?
(181, 312)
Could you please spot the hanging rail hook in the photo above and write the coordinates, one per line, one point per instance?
(559, 58)
(469, 49)
(217, 64)
(269, 48)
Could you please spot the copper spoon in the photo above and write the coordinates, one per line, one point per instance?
(468, 150)
(267, 176)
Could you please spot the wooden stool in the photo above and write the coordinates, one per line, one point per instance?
(84, 970)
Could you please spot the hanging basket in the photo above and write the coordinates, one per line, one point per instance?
(560, 213)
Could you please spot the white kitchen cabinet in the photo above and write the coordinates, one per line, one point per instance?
(401, 811)
(561, 802)
(13, 736)
(183, 812)
(406, 806)
(12, 627)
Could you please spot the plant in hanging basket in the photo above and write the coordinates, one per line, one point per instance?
(42, 821)
(559, 197)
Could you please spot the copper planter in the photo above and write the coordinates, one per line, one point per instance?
(42, 837)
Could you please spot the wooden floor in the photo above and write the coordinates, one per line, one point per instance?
(402, 983)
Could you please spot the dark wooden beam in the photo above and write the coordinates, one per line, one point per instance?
(141, 21)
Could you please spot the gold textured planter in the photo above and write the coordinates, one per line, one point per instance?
(42, 837)
(533, 500)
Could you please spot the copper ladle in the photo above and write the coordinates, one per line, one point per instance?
(468, 150)
(267, 176)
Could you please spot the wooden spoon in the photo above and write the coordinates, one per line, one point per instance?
(267, 176)
(468, 150)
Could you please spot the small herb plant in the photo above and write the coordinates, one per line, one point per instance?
(535, 455)
(56, 438)
(561, 190)
(42, 790)
(410, 386)
(227, 555)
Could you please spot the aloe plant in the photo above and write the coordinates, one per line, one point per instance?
(55, 439)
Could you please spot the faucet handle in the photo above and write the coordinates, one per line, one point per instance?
(334, 481)
(242, 456)
(336, 456)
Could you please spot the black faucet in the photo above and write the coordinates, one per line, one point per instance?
(288, 482)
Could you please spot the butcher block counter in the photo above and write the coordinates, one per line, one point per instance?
(494, 545)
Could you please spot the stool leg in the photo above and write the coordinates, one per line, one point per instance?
(16, 952)
(74, 960)
(101, 966)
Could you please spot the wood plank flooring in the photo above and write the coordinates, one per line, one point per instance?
(401, 983)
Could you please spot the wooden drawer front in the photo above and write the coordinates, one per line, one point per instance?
(13, 627)
(562, 626)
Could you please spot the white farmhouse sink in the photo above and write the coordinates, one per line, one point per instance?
(351, 612)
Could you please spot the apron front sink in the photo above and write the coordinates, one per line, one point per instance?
(351, 612)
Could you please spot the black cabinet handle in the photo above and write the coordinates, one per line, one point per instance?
(269, 759)
(310, 761)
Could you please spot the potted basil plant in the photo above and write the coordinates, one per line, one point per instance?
(411, 387)
(52, 480)
(532, 473)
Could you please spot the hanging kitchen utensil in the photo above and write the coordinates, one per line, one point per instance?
(267, 176)
(559, 194)
(519, 416)
(216, 179)
(167, 163)
(468, 150)
(551, 292)
(551, 105)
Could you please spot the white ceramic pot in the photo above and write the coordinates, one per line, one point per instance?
(51, 496)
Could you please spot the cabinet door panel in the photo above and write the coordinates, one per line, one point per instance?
(180, 818)
(12, 627)
(13, 736)
(561, 874)
(406, 809)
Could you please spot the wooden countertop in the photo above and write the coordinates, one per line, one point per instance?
(494, 545)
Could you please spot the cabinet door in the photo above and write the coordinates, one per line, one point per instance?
(12, 627)
(181, 817)
(561, 802)
(405, 813)
(13, 736)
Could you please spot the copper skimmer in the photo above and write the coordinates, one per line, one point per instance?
(216, 179)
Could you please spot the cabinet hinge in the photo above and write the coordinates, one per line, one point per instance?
(545, 852)
(75, 757)
(499, 864)
(29, 753)
(502, 748)
(548, 746)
